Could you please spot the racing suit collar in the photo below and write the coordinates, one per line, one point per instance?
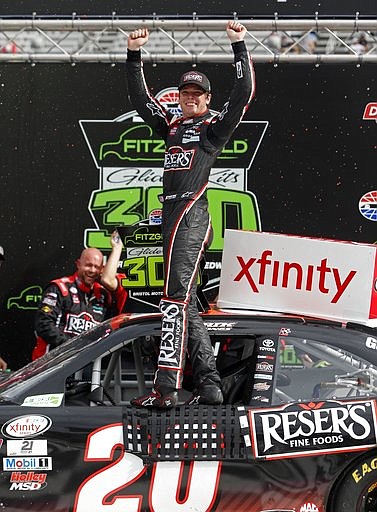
(82, 286)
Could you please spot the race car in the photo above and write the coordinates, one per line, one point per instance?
(296, 431)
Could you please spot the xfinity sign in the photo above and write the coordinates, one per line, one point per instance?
(311, 276)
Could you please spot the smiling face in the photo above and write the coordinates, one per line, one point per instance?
(89, 266)
(193, 100)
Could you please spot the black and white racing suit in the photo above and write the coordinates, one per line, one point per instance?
(192, 146)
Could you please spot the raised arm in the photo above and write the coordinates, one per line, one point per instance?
(141, 99)
(108, 276)
(242, 92)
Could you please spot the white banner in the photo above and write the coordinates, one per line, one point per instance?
(311, 276)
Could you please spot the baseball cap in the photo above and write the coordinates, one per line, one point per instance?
(2, 257)
(195, 77)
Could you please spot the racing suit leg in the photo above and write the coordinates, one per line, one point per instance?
(200, 348)
(186, 231)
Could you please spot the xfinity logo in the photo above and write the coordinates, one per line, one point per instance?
(30, 425)
(290, 274)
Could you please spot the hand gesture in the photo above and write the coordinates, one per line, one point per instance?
(235, 31)
(137, 38)
(3, 365)
(115, 240)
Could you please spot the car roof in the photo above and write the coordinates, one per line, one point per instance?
(54, 367)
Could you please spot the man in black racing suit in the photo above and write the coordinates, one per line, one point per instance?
(193, 142)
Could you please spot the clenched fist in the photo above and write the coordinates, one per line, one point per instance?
(137, 38)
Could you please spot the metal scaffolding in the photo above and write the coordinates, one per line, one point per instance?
(104, 39)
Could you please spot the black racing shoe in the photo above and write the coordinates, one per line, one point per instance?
(208, 393)
(168, 400)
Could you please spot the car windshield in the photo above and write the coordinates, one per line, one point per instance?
(55, 359)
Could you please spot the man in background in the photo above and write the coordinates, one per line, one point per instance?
(73, 304)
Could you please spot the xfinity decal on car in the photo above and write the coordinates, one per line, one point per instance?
(29, 425)
(297, 430)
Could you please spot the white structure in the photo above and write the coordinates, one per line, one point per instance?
(104, 39)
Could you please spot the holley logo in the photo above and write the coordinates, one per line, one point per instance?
(319, 276)
(30, 425)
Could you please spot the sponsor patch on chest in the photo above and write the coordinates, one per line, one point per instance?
(178, 159)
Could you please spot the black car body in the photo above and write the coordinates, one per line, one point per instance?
(297, 430)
